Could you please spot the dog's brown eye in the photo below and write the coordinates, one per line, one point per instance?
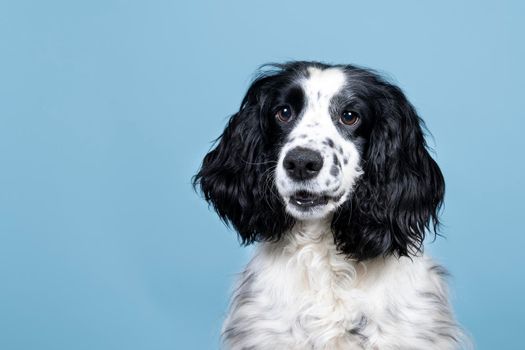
(349, 118)
(284, 114)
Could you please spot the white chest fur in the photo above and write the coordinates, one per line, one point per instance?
(300, 293)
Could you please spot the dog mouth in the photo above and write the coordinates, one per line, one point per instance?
(305, 200)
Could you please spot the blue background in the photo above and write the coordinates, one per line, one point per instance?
(107, 108)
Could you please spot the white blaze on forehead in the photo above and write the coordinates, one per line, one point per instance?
(322, 84)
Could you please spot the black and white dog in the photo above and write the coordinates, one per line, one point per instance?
(326, 167)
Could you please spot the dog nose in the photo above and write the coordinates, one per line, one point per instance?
(302, 163)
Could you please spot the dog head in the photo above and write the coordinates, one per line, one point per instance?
(312, 141)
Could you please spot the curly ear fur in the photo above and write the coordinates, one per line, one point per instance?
(236, 177)
(401, 190)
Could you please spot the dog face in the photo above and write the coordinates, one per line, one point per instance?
(312, 141)
(319, 161)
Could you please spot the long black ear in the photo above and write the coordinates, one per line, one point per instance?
(236, 176)
(399, 195)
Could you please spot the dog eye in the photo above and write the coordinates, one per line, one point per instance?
(284, 114)
(349, 118)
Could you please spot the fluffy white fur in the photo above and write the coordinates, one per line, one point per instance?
(300, 293)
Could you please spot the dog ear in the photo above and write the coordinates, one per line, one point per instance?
(236, 176)
(402, 188)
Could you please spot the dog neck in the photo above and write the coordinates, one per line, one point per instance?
(308, 233)
(313, 229)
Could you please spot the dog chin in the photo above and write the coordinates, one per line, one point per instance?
(316, 213)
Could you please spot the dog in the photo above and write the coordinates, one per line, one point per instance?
(326, 168)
